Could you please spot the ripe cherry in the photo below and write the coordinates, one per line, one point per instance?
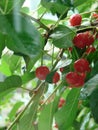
(70, 49)
(81, 65)
(75, 20)
(62, 69)
(56, 77)
(95, 15)
(89, 39)
(61, 102)
(74, 79)
(41, 72)
(90, 50)
(56, 125)
(79, 40)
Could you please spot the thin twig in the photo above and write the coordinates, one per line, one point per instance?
(25, 89)
(37, 21)
(58, 58)
(21, 114)
(42, 15)
(85, 29)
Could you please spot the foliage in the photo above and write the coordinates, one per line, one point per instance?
(30, 38)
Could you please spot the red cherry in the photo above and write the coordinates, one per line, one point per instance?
(79, 40)
(83, 75)
(89, 39)
(61, 102)
(41, 72)
(75, 20)
(95, 15)
(81, 66)
(70, 49)
(74, 79)
(96, 36)
(90, 50)
(56, 77)
(56, 125)
(62, 69)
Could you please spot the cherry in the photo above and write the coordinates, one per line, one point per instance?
(90, 50)
(70, 49)
(75, 20)
(56, 77)
(61, 102)
(83, 75)
(41, 72)
(56, 125)
(95, 15)
(81, 65)
(89, 39)
(79, 40)
(62, 69)
(74, 79)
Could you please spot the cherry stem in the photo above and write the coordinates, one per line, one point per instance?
(52, 55)
(58, 58)
(86, 29)
(25, 89)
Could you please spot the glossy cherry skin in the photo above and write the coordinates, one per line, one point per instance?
(74, 79)
(56, 77)
(41, 72)
(75, 20)
(81, 66)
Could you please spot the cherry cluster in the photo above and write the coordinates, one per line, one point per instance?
(82, 40)
(77, 78)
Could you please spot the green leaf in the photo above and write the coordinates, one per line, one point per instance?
(94, 104)
(83, 6)
(9, 84)
(62, 37)
(94, 70)
(49, 77)
(45, 120)
(28, 76)
(89, 86)
(79, 2)
(85, 121)
(7, 5)
(27, 121)
(14, 63)
(4, 68)
(63, 63)
(2, 43)
(56, 6)
(14, 110)
(23, 38)
(65, 116)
